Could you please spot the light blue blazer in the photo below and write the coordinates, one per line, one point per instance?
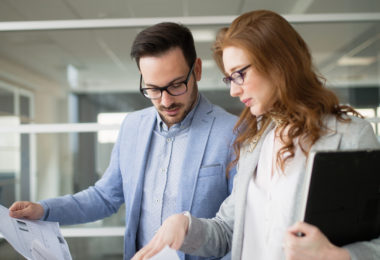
(203, 184)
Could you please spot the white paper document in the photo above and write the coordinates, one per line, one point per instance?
(166, 253)
(34, 239)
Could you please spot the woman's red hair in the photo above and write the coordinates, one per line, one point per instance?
(277, 51)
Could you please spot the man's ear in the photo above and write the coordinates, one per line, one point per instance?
(198, 69)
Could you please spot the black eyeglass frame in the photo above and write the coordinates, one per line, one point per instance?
(240, 74)
(166, 88)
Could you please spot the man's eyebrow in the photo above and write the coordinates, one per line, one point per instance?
(170, 83)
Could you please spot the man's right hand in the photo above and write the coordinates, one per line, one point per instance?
(26, 209)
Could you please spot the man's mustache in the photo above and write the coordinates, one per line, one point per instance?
(171, 107)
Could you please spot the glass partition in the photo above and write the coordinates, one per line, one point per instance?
(62, 161)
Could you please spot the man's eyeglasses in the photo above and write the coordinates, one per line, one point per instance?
(174, 89)
(236, 77)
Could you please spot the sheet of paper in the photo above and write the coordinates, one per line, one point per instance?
(34, 239)
(166, 254)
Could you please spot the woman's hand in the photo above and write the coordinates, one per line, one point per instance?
(171, 233)
(313, 244)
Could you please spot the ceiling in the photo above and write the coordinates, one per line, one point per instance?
(99, 57)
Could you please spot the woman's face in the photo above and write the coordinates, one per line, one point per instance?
(256, 91)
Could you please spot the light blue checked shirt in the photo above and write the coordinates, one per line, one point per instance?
(161, 182)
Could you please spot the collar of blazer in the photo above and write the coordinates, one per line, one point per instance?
(248, 160)
(331, 139)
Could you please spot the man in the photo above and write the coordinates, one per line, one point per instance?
(169, 158)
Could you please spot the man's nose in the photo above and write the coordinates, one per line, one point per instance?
(166, 99)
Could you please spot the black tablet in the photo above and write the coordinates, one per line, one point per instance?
(343, 195)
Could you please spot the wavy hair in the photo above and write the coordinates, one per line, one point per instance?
(279, 53)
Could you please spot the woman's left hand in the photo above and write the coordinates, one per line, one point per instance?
(313, 244)
(171, 233)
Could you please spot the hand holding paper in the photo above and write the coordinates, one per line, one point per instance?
(166, 254)
(27, 210)
(34, 239)
(172, 233)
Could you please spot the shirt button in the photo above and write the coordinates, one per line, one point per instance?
(163, 170)
(169, 140)
(157, 200)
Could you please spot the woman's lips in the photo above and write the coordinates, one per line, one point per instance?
(247, 102)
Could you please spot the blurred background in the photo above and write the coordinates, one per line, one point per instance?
(67, 81)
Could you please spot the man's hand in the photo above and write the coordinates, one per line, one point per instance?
(26, 209)
(312, 245)
(171, 233)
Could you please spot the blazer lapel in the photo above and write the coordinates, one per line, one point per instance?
(198, 135)
(247, 165)
(141, 152)
(248, 160)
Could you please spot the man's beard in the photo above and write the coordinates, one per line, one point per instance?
(193, 98)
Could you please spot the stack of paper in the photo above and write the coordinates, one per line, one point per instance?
(35, 240)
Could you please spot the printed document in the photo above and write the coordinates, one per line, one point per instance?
(166, 254)
(34, 239)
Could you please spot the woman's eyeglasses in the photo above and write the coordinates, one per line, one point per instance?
(236, 77)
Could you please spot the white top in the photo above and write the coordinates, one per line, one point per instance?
(270, 198)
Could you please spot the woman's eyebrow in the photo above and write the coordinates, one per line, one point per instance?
(234, 69)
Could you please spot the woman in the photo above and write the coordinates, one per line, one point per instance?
(288, 114)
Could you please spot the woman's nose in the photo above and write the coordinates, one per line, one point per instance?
(235, 90)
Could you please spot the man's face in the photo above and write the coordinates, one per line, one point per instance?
(170, 68)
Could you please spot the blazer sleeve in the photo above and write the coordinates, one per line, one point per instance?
(366, 139)
(232, 171)
(96, 202)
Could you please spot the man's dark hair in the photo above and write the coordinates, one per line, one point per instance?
(159, 38)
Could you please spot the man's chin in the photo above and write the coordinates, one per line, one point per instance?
(171, 120)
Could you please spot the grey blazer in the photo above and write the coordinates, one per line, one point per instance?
(217, 236)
